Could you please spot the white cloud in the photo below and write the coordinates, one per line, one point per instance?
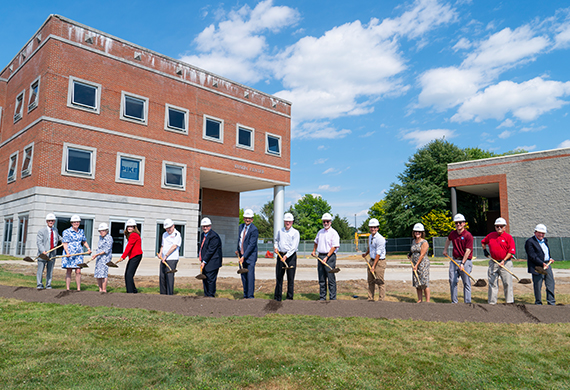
(444, 88)
(564, 144)
(505, 134)
(322, 147)
(362, 213)
(368, 134)
(525, 101)
(330, 170)
(527, 148)
(422, 137)
(506, 123)
(562, 37)
(462, 44)
(321, 161)
(316, 130)
(532, 129)
(328, 188)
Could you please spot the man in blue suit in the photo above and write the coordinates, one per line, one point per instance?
(538, 262)
(210, 255)
(247, 250)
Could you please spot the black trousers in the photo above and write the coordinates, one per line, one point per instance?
(209, 283)
(130, 271)
(166, 280)
(280, 273)
(326, 278)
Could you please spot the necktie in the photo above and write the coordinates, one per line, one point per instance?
(51, 240)
(201, 245)
(243, 237)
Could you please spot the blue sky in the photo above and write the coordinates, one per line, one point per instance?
(370, 81)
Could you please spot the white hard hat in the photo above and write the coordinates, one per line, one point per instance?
(540, 228)
(205, 222)
(288, 217)
(326, 217)
(131, 222)
(459, 218)
(167, 223)
(373, 223)
(103, 226)
(418, 227)
(50, 217)
(501, 221)
(248, 213)
(75, 218)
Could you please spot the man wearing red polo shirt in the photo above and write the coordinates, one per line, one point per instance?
(462, 242)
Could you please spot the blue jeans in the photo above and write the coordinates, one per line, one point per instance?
(454, 274)
(549, 282)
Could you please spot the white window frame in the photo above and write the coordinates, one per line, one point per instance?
(28, 172)
(132, 119)
(65, 172)
(13, 177)
(163, 178)
(213, 118)
(118, 177)
(252, 147)
(267, 135)
(34, 104)
(167, 127)
(18, 115)
(79, 106)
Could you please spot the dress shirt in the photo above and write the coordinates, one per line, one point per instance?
(287, 241)
(544, 250)
(377, 246)
(242, 238)
(326, 239)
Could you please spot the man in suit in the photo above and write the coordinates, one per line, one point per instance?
(538, 262)
(210, 255)
(48, 238)
(247, 249)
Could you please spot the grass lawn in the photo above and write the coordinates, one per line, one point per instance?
(523, 264)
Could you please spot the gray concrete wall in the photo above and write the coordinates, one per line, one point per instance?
(538, 188)
(227, 229)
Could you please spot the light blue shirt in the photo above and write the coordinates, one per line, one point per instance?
(545, 250)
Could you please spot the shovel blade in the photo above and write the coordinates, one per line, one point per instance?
(378, 282)
(334, 270)
(112, 265)
(172, 271)
(43, 257)
(480, 283)
(83, 265)
(201, 276)
(525, 281)
(28, 259)
(242, 271)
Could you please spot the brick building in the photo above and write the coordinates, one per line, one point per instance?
(93, 125)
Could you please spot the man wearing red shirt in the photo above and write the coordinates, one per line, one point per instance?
(462, 253)
(502, 248)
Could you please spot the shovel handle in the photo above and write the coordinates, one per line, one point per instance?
(505, 268)
(281, 258)
(415, 272)
(74, 254)
(369, 266)
(54, 248)
(454, 262)
(324, 262)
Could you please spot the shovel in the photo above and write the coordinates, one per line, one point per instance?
(41, 256)
(73, 254)
(521, 281)
(285, 266)
(113, 265)
(332, 270)
(478, 283)
(376, 280)
(201, 276)
(170, 270)
(241, 270)
(415, 272)
(84, 265)
(541, 270)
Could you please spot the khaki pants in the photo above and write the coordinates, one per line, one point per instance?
(493, 274)
(379, 272)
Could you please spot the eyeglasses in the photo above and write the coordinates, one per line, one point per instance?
(499, 226)
(459, 223)
(326, 221)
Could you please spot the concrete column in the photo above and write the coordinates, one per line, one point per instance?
(453, 202)
(278, 207)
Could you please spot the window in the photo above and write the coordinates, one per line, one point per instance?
(130, 169)
(78, 161)
(213, 129)
(134, 108)
(176, 119)
(64, 222)
(22, 235)
(273, 144)
(34, 91)
(173, 175)
(160, 231)
(7, 241)
(84, 95)
(19, 110)
(27, 160)
(12, 164)
(244, 137)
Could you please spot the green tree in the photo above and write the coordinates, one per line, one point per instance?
(438, 223)
(378, 211)
(307, 213)
(264, 220)
(343, 228)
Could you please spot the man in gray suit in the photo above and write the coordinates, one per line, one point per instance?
(48, 238)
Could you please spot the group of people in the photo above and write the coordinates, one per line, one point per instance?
(326, 244)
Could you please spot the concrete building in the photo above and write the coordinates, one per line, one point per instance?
(93, 125)
(525, 189)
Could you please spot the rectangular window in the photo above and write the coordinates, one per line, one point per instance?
(213, 129)
(19, 109)
(160, 231)
(176, 119)
(7, 241)
(173, 175)
(78, 161)
(34, 91)
(134, 108)
(130, 169)
(273, 144)
(245, 137)
(27, 160)
(12, 166)
(22, 235)
(84, 95)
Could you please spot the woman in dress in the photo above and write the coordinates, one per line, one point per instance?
(418, 257)
(134, 252)
(104, 255)
(73, 242)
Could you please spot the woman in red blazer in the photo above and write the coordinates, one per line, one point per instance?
(134, 252)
